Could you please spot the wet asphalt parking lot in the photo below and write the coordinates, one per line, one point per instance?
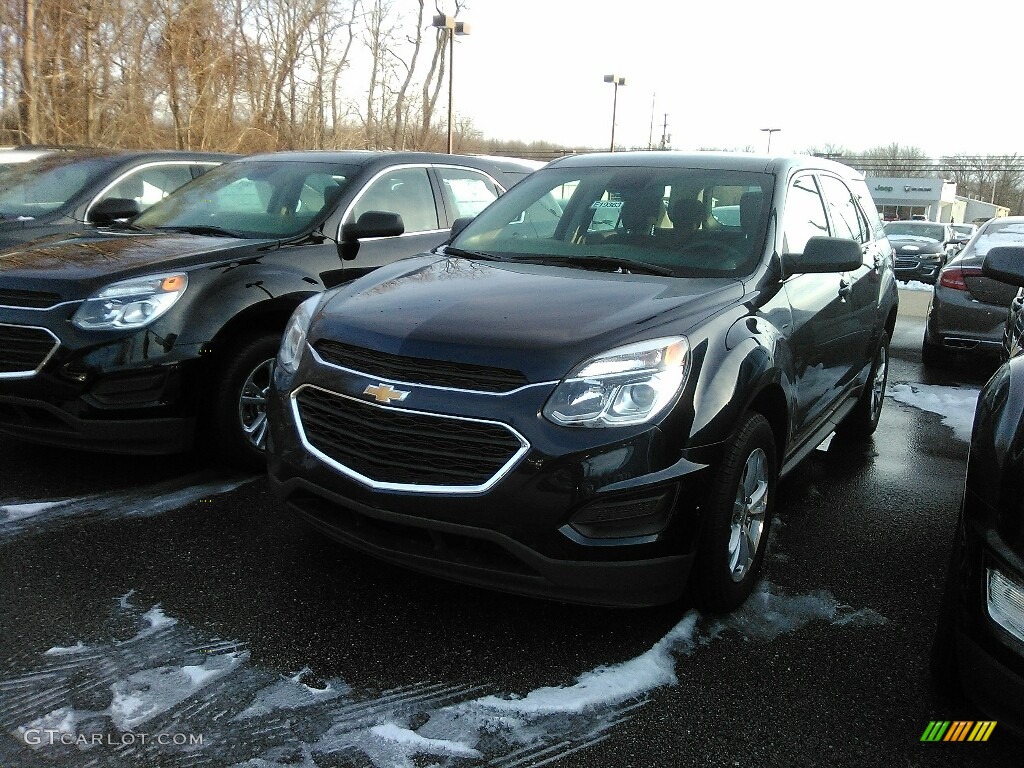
(155, 612)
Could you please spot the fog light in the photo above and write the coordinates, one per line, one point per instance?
(1006, 603)
(624, 517)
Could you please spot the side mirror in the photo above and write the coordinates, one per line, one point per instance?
(1005, 263)
(370, 224)
(113, 208)
(825, 254)
(458, 225)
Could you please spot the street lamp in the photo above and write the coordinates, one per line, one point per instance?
(452, 28)
(616, 81)
(770, 131)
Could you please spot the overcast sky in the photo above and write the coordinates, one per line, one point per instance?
(858, 74)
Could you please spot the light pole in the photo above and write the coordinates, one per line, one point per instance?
(452, 28)
(770, 131)
(616, 81)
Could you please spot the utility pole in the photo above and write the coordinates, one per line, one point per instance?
(665, 137)
(650, 134)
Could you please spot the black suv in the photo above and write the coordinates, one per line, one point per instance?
(979, 643)
(129, 339)
(68, 192)
(594, 387)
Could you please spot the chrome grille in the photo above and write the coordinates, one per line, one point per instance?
(417, 370)
(24, 349)
(29, 299)
(399, 449)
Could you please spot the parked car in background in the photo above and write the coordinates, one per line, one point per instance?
(593, 410)
(922, 247)
(11, 156)
(962, 233)
(141, 338)
(65, 193)
(968, 310)
(979, 644)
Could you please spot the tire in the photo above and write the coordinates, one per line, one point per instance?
(934, 355)
(862, 421)
(742, 502)
(239, 418)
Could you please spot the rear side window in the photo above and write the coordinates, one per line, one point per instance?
(805, 215)
(467, 192)
(847, 219)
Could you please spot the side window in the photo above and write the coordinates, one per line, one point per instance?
(467, 192)
(405, 191)
(805, 215)
(846, 216)
(150, 184)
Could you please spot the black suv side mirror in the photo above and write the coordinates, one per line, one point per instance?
(113, 208)
(458, 225)
(825, 254)
(370, 224)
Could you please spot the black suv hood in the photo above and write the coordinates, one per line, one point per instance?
(915, 244)
(539, 319)
(75, 267)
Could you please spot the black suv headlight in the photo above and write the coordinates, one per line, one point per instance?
(624, 386)
(129, 304)
(293, 343)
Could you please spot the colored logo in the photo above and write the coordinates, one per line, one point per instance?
(385, 393)
(958, 730)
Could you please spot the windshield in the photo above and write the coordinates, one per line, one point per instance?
(683, 221)
(996, 233)
(258, 199)
(911, 229)
(32, 189)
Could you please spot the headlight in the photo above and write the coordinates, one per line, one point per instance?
(294, 341)
(624, 386)
(130, 303)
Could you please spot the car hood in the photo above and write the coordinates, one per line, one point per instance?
(915, 244)
(540, 319)
(76, 266)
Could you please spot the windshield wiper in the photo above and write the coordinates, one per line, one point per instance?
(451, 249)
(202, 229)
(602, 262)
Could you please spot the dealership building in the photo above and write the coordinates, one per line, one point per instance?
(931, 197)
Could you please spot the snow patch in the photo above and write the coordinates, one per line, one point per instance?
(955, 405)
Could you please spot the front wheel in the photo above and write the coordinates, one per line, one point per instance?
(862, 421)
(240, 401)
(740, 509)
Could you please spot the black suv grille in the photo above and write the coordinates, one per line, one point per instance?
(23, 349)
(33, 299)
(438, 373)
(391, 446)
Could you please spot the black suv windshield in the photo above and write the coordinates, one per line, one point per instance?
(42, 186)
(260, 198)
(679, 221)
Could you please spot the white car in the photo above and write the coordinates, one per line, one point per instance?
(13, 155)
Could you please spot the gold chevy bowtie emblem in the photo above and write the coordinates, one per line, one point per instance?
(385, 393)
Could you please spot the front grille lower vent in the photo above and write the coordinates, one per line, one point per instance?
(23, 349)
(389, 446)
(417, 370)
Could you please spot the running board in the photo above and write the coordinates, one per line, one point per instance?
(818, 436)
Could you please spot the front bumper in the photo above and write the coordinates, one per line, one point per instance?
(990, 660)
(923, 268)
(128, 392)
(575, 516)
